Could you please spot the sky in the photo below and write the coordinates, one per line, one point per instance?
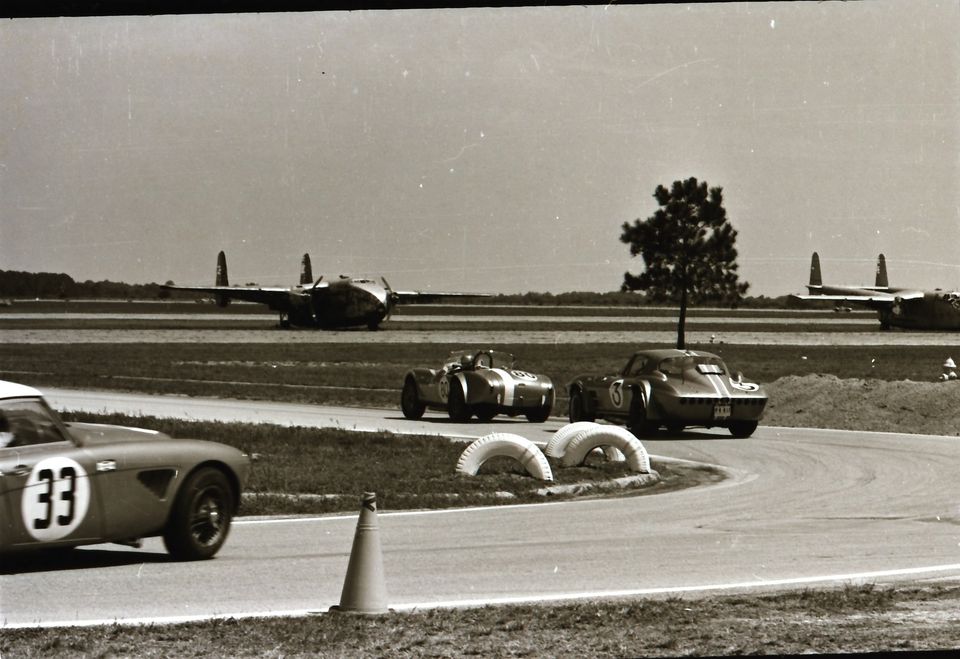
(493, 150)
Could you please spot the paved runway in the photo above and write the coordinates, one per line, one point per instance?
(803, 507)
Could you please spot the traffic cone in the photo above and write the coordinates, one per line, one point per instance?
(364, 590)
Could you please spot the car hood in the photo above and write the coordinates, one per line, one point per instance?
(93, 434)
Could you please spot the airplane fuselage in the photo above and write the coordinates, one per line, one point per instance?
(936, 310)
(342, 303)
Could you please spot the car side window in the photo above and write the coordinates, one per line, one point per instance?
(27, 423)
(638, 366)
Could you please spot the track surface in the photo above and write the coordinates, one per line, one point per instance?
(802, 507)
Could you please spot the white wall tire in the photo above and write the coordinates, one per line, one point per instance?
(501, 444)
(560, 439)
(620, 438)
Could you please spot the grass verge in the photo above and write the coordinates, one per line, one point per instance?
(372, 375)
(846, 619)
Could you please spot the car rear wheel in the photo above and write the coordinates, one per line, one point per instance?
(201, 515)
(457, 407)
(539, 415)
(742, 429)
(410, 402)
(578, 411)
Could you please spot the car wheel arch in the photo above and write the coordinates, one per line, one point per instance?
(222, 467)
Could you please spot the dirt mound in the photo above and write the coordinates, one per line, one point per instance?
(826, 401)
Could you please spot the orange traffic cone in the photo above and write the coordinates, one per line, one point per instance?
(364, 590)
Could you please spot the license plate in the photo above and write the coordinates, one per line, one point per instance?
(721, 411)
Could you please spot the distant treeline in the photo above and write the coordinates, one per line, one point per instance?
(45, 285)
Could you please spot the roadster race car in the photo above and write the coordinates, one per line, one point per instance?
(482, 382)
(69, 484)
(672, 388)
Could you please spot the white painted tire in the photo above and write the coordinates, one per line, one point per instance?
(615, 436)
(509, 445)
(558, 443)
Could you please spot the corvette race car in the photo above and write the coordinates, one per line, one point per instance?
(69, 484)
(482, 382)
(672, 388)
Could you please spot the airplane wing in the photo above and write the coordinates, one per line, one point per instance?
(277, 298)
(412, 297)
(873, 298)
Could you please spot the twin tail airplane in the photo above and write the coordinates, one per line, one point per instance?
(907, 308)
(341, 303)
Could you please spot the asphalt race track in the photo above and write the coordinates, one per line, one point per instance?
(801, 508)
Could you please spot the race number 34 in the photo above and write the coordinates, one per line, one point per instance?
(55, 499)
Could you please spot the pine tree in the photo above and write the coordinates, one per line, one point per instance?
(688, 249)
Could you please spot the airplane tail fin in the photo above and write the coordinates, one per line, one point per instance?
(882, 273)
(222, 279)
(306, 272)
(816, 281)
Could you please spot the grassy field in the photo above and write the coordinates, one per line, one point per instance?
(371, 375)
(846, 619)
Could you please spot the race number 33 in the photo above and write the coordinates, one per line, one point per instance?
(55, 499)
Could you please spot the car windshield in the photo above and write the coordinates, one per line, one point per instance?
(705, 365)
(24, 422)
(495, 359)
(482, 359)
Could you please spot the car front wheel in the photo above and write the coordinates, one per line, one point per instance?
(410, 402)
(457, 407)
(577, 409)
(638, 423)
(201, 515)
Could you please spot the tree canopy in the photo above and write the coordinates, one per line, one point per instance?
(688, 248)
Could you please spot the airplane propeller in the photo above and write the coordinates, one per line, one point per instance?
(392, 298)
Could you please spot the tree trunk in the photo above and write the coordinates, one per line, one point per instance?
(683, 319)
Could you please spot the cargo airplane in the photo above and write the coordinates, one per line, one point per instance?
(344, 302)
(907, 308)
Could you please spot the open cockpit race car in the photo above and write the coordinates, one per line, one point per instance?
(477, 382)
(671, 388)
(68, 484)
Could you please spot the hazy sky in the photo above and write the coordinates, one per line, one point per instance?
(485, 149)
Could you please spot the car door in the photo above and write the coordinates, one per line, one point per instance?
(48, 495)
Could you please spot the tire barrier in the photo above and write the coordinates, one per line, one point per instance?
(558, 443)
(561, 439)
(615, 436)
(509, 445)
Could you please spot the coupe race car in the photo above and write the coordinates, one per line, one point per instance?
(483, 382)
(672, 388)
(69, 484)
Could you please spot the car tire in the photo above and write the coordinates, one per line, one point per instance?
(742, 429)
(410, 403)
(457, 407)
(577, 407)
(201, 516)
(638, 423)
(485, 413)
(540, 414)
